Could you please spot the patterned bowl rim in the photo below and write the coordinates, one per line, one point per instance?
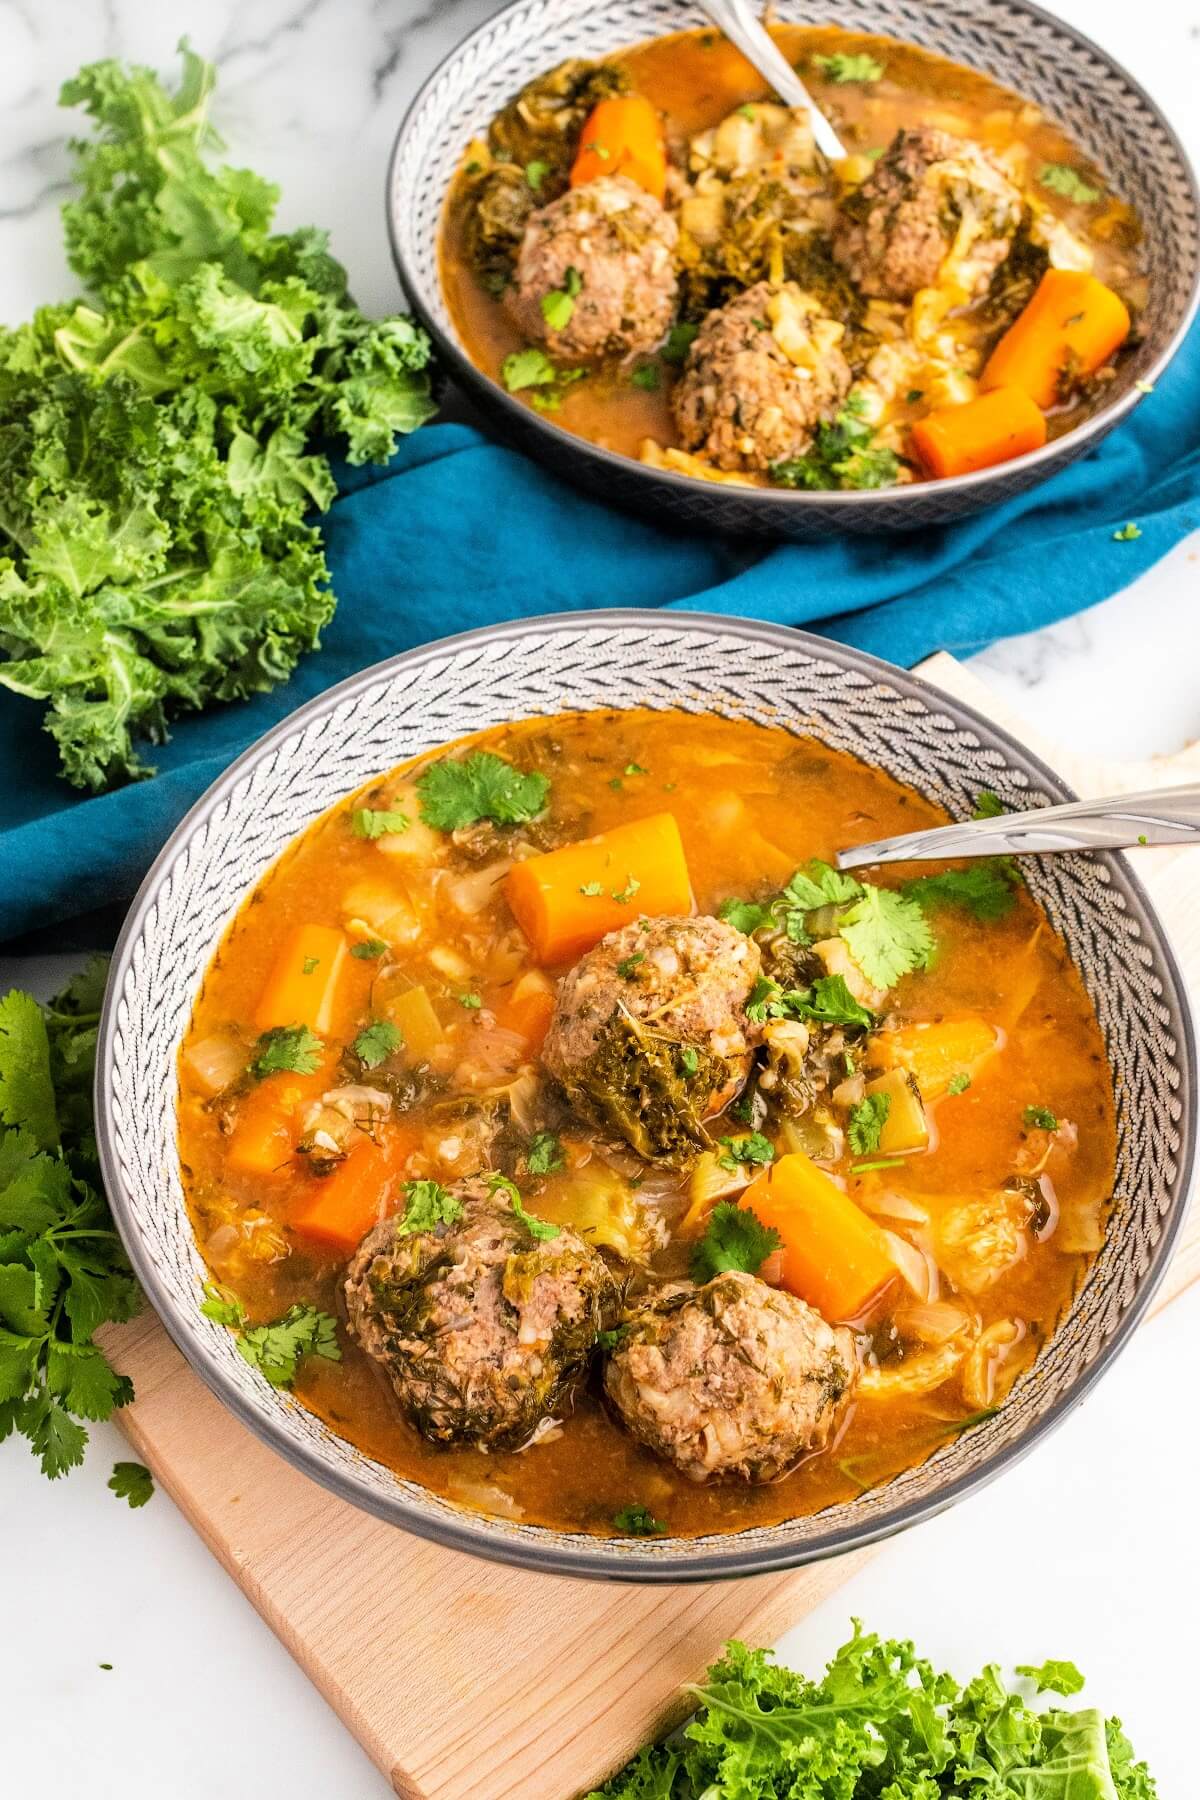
(1046, 459)
(718, 1555)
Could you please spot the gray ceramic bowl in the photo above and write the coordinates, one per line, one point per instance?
(1103, 108)
(690, 663)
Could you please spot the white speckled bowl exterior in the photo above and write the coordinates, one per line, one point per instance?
(1044, 60)
(691, 663)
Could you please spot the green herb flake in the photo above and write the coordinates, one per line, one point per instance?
(1127, 534)
(427, 1204)
(745, 112)
(222, 1306)
(1039, 1118)
(882, 1162)
(841, 68)
(541, 1229)
(624, 895)
(988, 805)
(277, 1350)
(629, 964)
(680, 339)
(558, 306)
(535, 173)
(744, 1152)
(472, 1002)
(366, 822)
(528, 368)
(131, 1481)
(633, 768)
(1061, 178)
(844, 455)
(689, 1060)
(369, 949)
(457, 792)
(545, 1154)
(638, 1521)
(286, 1050)
(609, 1340)
(592, 890)
(376, 1043)
(647, 377)
(310, 965)
(985, 888)
(868, 1117)
(734, 1239)
(959, 1082)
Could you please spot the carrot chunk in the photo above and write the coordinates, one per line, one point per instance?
(566, 900)
(263, 1140)
(623, 136)
(528, 1009)
(997, 426)
(1070, 328)
(338, 1210)
(301, 987)
(834, 1256)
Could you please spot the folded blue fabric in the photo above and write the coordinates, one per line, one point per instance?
(458, 532)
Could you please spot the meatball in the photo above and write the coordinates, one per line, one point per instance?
(477, 1324)
(763, 371)
(929, 194)
(650, 1034)
(734, 1378)
(607, 248)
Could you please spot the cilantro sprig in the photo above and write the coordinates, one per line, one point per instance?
(63, 1272)
(885, 931)
(844, 455)
(735, 1239)
(427, 1204)
(276, 1349)
(868, 1117)
(455, 793)
(376, 1042)
(286, 1050)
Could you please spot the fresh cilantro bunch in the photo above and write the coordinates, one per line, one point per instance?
(63, 1273)
(160, 444)
(882, 1724)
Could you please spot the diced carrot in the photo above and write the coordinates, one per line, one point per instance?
(264, 1136)
(301, 987)
(957, 440)
(833, 1255)
(529, 1016)
(623, 136)
(339, 1209)
(566, 900)
(1070, 328)
(937, 1050)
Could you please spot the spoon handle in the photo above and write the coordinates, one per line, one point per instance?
(743, 30)
(1123, 821)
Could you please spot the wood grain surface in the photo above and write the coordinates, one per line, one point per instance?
(464, 1680)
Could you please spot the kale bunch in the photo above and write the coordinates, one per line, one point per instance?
(160, 444)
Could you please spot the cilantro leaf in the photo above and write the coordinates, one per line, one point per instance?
(1053, 1677)
(638, 1521)
(887, 935)
(829, 1002)
(369, 949)
(680, 339)
(427, 1204)
(819, 884)
(628, 966)
(842, 68)
(1127, 534)
(558, 305)
(868, 1117)
(277, 1350)
(536, 172)
(365, 822)
(132, 1481)
(1062, 179)
(223, 1307)
(163, 443)
(984, 888)
(376, 1043)
(1039, 1118)
(545, 1154)
(26, 1089)
(541, 1229)
(455, 793)
(988, 805)
(746, 916)
(527, 368)
(958, 1082)
(286, 1050)
(735, 1239)
(591, 890)
(844, 455)
(746, 1151)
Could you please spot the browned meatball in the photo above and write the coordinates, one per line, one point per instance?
(606, 247)
(650, 1034)
(929, 193)
(762, 373)
(734, 1378)
(477, 1324)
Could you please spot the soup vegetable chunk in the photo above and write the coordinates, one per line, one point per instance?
(654, 250)
(574, 1139)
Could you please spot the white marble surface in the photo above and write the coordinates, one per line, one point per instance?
(1087, 1550)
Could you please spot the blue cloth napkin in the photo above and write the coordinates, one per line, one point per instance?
(458, 532)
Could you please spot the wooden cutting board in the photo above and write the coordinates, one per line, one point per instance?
(464, 1680)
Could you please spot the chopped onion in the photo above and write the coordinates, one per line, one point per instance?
(932, 1321)
(469, 894)
(216, 1061)
(916, 1269)
(485, 1497)
(887, 1204)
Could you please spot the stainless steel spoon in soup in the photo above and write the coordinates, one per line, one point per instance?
(743, 30)
(1120, 822)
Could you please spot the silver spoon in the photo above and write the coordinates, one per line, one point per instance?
(743, 30)
(1121, 822)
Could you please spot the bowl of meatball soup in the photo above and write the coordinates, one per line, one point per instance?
(519, 1121)
(643, 268)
